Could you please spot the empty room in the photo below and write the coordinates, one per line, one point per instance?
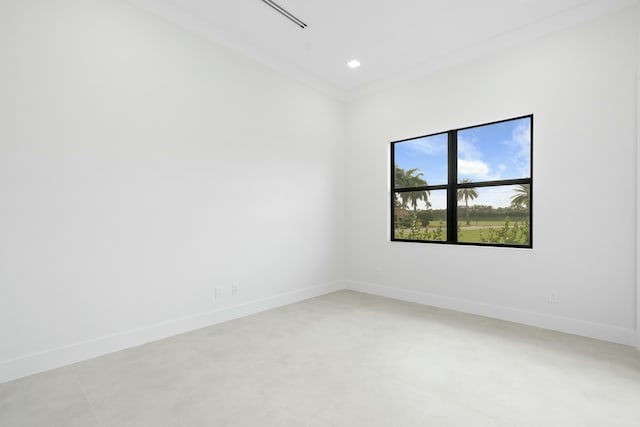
(319, 213)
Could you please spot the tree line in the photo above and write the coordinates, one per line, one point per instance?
(518, 209)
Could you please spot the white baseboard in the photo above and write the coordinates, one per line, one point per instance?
(77, 352)
(63, 356)
(584, 328)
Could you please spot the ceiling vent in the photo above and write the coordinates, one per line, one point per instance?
(282, 11)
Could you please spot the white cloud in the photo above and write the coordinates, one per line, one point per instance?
(429, 146)
(468, 150)
(475, 168)
(520, 147)
(498, 197)
(470, 163)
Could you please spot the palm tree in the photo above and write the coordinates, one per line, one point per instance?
(400, 177)
(417, 181)
(414, 196)
(466, 194)
(410, 178)
(522, 196)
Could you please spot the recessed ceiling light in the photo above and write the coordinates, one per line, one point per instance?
(354, 63)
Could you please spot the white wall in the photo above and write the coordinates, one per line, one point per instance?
(140, 167)
(638, 183)
(580, 86)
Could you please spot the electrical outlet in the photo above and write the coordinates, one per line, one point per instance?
(216, 293)
(553, 297)
(235, 289)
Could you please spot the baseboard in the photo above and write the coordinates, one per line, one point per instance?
(584, 328)
(67, 355)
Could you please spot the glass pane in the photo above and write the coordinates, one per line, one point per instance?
(497, 215)
(494, 152)
(421, 161)
(421, 215)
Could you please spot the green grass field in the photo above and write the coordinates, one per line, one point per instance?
(483, 223)
(468, 233)
(473, 236)
(469, 236)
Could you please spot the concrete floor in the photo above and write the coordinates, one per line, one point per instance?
(345, 359)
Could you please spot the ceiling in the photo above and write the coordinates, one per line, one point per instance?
(395, 40)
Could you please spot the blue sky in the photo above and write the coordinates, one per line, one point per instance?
(485, 153)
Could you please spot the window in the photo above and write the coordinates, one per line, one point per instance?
(469, 186)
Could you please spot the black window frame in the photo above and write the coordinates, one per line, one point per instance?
(453, 186)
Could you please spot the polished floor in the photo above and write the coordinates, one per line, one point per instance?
(344, 359)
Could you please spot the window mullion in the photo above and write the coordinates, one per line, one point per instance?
(452, 201)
